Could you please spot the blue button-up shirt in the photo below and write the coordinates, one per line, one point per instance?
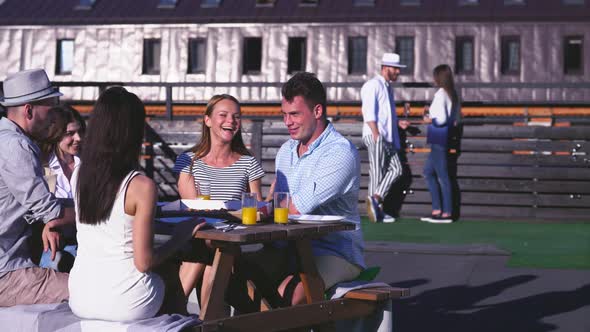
(24, 196)
(325, 180)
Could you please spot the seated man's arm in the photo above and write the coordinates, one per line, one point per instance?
(23, 176)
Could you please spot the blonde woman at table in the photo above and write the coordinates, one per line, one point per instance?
(220, 160)
(118, 275)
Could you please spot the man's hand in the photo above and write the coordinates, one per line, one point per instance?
(51, 238)
(403, 124)
(375, 137)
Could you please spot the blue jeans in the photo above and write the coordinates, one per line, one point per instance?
(64, 258)
(437, 178)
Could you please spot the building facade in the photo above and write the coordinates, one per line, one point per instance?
(506, 51)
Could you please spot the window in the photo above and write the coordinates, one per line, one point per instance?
(514, 2)
(573, 51)
(363, 3)
(574, 2)
(404, 46)
(468, 2)
(296, 55)
(210, 3)
(252, 55)
(167, 4)
(357, 55)
(64, 60)
(510, 57)
(464, 55)
(197, 55)
(309, 3)
(85, 4)
(265, 3)
(151, 56)
(410, 2)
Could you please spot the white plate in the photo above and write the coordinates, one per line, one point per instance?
(315, 219)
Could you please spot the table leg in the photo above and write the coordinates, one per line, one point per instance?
(313, 284)
(213, 295)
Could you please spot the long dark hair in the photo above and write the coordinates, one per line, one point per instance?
(202, 148)
(113, 144)
(64, 114)
(443, 76)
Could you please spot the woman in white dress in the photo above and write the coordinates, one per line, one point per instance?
(118, 275)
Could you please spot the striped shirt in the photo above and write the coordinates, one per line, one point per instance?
(325, 180)
(225, 183)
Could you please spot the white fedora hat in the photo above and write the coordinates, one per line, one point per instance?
(27, 86)
(391, 60)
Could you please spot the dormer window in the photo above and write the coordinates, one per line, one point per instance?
(167, 4)
(85, 4)
(364, 3)
(410, 2)
(309, 3)
(210, 3)
(265, 3)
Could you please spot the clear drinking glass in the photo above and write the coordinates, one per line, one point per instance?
(203, 190)
(249, 208)
(281, 207)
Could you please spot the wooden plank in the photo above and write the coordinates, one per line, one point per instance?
(508, 145)
(377, 294)
(480, 198)
(213, 293)
(292, 317)
(507, 185)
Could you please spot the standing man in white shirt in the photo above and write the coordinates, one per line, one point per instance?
(381, 134)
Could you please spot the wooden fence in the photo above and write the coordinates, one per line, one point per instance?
(504, 169)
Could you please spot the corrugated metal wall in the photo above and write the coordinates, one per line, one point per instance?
(114, 53)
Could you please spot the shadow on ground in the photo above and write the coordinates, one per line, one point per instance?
(458, 308)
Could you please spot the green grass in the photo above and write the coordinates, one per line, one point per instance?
(535, 245)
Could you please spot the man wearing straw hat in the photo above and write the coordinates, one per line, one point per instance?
(381, 135)
(24, 194)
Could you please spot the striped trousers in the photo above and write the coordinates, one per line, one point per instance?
(384, 165)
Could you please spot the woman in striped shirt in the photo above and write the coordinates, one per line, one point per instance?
(220, 161)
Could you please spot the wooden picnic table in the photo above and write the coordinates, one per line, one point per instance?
(227, 248)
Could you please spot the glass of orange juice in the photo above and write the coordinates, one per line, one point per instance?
(249, 208)
(281, 207)
(203, 190)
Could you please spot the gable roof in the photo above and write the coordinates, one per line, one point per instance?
(66, 12)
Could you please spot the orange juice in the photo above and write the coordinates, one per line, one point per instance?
(204, 197)
(249, 215)
(281, 215)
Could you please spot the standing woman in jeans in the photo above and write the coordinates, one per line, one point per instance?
(444, 112)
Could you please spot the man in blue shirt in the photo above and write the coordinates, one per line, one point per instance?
(321, 170)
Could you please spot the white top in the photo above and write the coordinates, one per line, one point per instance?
(63, 187)
(104, 282)
(379, 106)
(225, 183)
(441, 107)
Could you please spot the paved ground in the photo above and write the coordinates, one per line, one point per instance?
(469, 288)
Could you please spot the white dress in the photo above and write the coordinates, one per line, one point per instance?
(104, 283)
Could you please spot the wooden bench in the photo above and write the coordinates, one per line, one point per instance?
(355, 304)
